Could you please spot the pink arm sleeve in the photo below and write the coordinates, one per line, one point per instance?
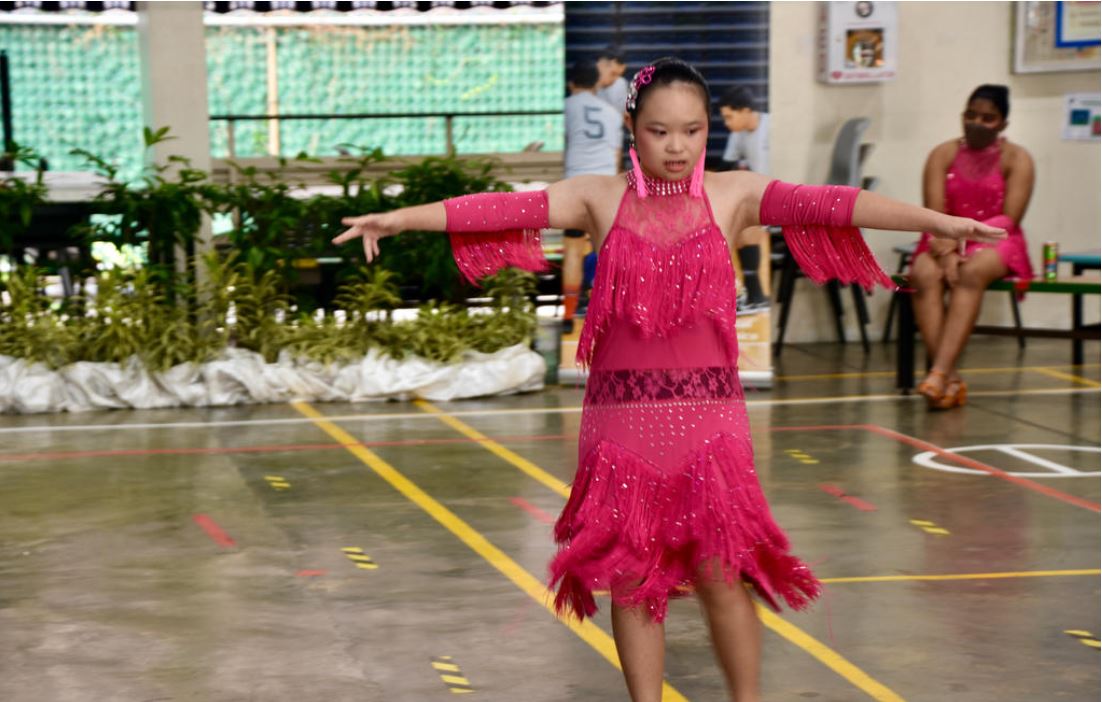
(491, 231)
(818, 227)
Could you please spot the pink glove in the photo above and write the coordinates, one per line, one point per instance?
(818, 228)
(491, 231)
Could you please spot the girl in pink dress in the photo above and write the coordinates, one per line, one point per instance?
(666, 500)
(982, 176)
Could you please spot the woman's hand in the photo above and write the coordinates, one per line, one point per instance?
(962, 228)
(371, 228)
(950, 267)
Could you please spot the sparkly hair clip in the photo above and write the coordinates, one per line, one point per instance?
(643, 77)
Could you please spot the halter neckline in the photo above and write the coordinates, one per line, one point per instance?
(660, 186)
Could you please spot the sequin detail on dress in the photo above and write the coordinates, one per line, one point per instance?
(664, 264)
(666, 490)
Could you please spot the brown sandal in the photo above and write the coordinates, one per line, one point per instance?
(959, 398)
(934, 395)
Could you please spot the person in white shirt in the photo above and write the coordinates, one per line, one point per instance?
(593, 141)
(611, 84)
(747, 150)
(612, 87)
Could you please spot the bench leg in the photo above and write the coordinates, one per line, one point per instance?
(905, 343)
(1076, 325)
(1017, 319)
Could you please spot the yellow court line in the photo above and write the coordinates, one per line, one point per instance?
(586, 629)
(527, 467)
(963, 576)
(1068, 376)
(827, 656)
(818, 650)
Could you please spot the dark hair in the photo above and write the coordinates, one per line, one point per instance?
(738, 98)
(668, 71)
(583, 74)
(997, 94)
(613, 53)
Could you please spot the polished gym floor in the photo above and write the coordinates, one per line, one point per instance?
(398, 551)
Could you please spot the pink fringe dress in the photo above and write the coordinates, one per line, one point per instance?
(666, 488)
(975, 187)
(665, 482)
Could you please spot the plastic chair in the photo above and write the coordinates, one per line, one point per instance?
(845, 169)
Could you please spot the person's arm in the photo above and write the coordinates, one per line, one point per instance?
(875, 211)
(1019, 185)
(945, 252)
(566, 209)
(821, 226)
(859, 208)
(758, 156)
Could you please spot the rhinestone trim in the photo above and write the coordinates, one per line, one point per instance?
(657, 186)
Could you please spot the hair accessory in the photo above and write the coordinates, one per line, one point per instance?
(643, 77)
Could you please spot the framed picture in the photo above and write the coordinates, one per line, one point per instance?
(1078, 24)
(1056, 36)
(858, 41)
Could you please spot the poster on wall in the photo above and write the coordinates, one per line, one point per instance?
(1056, 36)
(1082, 121)
(858, 42)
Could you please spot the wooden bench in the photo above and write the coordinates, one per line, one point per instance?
(1078, 333)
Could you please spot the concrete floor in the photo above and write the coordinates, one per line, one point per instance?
(201, 554)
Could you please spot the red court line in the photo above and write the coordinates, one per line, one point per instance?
(276, 448)
(532, 510)
(955, 458)
(263, 448)
(978, 465)
(841, 495)
(214, 531)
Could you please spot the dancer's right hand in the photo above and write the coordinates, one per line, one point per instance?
(371, 228)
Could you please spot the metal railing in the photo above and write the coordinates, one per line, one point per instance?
(449, 121)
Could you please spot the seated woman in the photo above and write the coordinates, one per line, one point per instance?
(985, 177)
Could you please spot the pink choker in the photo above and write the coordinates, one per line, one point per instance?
(657, 186)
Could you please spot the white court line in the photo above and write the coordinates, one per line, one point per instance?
(1043, 462)
(495, 412)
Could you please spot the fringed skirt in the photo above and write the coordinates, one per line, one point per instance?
(666, 493)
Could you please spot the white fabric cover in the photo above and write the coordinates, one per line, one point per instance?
(242, 377)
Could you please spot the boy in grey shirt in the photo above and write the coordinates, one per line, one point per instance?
(747, 150)
(592, 126)
(593, 139)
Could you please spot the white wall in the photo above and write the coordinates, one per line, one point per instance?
(947, 49)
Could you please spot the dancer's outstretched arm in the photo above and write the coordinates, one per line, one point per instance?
(875, 211)
(869, 210)
(567, 208)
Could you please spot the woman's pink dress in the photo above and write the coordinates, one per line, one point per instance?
(666, 484)
(975, 187)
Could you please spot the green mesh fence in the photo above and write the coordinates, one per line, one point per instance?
(76, 86)
(80, 86)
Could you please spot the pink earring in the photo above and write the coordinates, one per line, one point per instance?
(696, 183)
(640, 185)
